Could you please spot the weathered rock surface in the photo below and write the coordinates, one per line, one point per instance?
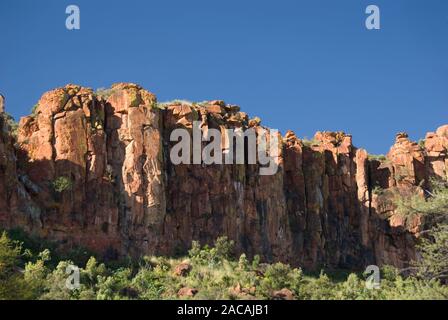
(182, 270)
(2, 104)
(283, 294)
(95, 172)
(111, 153)
(8, 173)
(187, 292)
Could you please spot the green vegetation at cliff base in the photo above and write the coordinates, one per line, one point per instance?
(206, 273)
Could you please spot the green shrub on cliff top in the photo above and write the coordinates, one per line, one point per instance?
(377, 157)
(11, 123)
(310, 142)
(104, 92)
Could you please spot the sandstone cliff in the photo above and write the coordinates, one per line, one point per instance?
(329, 205)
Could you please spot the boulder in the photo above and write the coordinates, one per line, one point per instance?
(187, 292)
(283, 294)
(183, 269)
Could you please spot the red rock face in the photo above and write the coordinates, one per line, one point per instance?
(110, 152)
(2, 104)
(96, 172)
(8, 177)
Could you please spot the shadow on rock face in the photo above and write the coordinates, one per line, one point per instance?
(96, 173)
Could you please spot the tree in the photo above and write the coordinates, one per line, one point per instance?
(12, 284)
(434, 254)
(433, 247)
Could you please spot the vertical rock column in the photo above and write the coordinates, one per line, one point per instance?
(436, 145)
(8, 174)
(97, 167)
(134, 152)
(2, 103)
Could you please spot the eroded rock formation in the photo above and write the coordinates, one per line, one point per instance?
(94, 171)
(2, 104)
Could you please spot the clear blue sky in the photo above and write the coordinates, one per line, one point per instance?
(301, 65)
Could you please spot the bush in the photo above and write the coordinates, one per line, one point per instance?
(279, 276)
(12, 284)
(229, 279)
(34, 110)
(224, 247)
(421, 143)
(433, 264)
(377, 157)
(310, 142)
(434, 207)
(433, 261)
(114, 287)
(104, 92)
(211, 256)
(62, 184)
(150, 283)
(321, 288)
(10, 123)
(378, 190)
